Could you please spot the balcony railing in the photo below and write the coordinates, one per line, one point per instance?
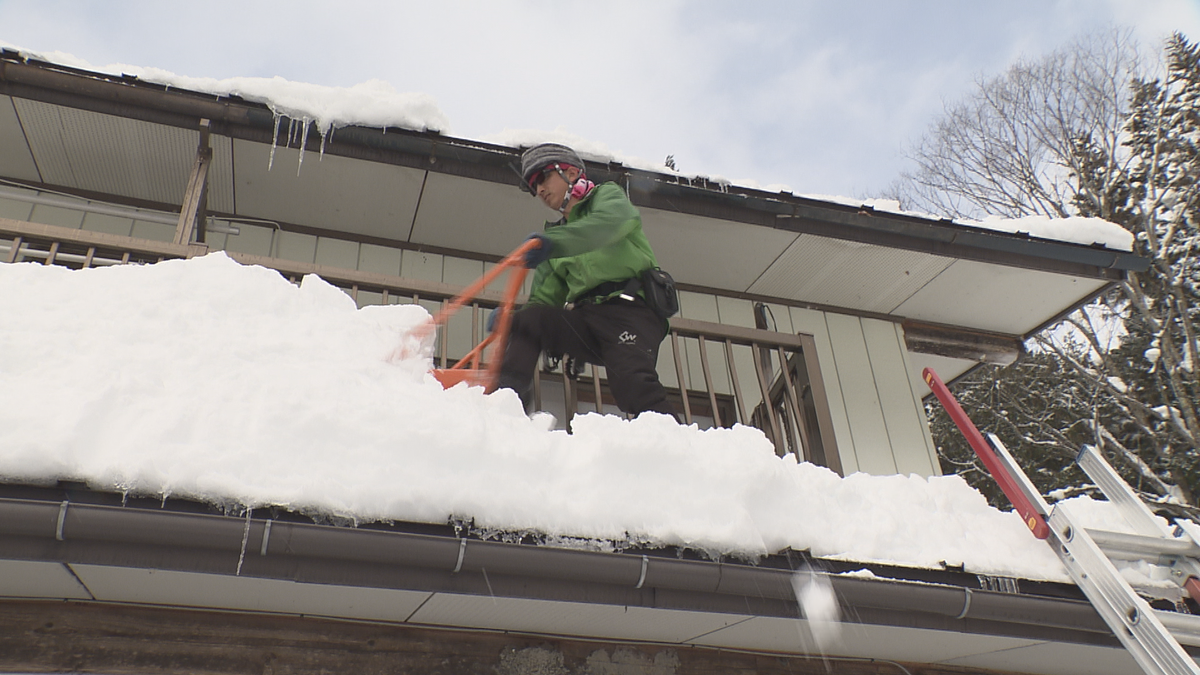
(717, 375)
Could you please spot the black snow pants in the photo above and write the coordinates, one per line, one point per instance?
(621, 335)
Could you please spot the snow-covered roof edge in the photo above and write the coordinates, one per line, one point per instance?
(377, 104)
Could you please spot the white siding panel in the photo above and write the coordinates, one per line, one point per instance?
(666, 367)
(782, 318)
(735, 312)
(16, 161)
(718, 366)
(918, 388)
(463, 330)
(337, 253)
(814, 323)
(701, 307)
(872, 447)
(252, 239)
(57, 216)
(904, 420)
(381, 259)
(747, 378)
(295, 246)
(421, 265)
(15, 209)
(99, 222)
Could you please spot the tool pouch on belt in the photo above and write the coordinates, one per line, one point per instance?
(659, 289)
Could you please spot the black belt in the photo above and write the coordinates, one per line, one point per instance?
(627, 286)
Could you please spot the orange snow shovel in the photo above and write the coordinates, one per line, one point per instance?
(469, 368)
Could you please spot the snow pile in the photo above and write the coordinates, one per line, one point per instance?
(213, 381)
(1077, 230)
(374, 103)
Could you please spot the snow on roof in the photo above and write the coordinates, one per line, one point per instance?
(373, 103)
(377, 104)
(209, 380)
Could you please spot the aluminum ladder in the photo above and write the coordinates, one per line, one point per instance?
(1153, 637)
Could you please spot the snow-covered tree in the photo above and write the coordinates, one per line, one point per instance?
(1153, 373)
(1119, 374)
(1009, 148)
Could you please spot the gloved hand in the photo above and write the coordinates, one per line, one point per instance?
(539, 255)
(492, 318)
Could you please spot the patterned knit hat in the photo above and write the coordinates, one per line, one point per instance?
(539, 157)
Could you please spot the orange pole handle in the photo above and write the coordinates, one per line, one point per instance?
(499, 335)
(514, 259)
(1032, 517)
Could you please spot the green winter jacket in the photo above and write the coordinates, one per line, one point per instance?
(600, 240)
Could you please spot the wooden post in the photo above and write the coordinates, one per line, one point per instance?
(195, 197)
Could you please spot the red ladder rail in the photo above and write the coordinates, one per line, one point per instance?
(1032, 516)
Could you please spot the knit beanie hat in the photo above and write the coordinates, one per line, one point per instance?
(537, 158)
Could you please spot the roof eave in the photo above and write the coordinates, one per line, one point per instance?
(435, 560)
(232, 116)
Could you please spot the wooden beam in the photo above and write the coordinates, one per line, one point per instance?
(962, 343)
(195, 197)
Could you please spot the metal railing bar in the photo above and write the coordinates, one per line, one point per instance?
(768, 409)
(596, 387)
(737, 387)
(793, 400)
(712, 394)
(537, 388)
(692, 328)
(15, 250)
(444, 345)
(683, 390)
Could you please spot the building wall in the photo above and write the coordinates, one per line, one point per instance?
(879, 422)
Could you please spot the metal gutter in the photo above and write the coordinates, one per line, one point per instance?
(137, 537)
(127, 96)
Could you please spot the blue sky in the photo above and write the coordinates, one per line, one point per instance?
(818, 96)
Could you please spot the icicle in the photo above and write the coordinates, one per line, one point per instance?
(326, 131)
(274, 139)
(245, 539)
(303, 144)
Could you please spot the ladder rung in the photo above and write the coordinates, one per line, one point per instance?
(1156, 650)
(1131, 507)
(1139, 547)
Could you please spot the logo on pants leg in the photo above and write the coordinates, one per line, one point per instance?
(627, 338)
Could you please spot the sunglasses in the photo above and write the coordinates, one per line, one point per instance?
(536, 179)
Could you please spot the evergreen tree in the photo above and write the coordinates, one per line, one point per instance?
(1120, 374)
(1152, 375)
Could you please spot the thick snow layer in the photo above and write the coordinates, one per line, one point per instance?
(374, 103)
(214, 381)
(378, 104)
(1077, 230)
